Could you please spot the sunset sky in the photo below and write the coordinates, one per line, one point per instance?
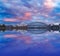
(24, 43)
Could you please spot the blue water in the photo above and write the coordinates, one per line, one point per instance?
(39, 47)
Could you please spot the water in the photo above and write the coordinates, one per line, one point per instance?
(22, 43)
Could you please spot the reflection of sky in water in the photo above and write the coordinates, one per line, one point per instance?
(25, 11)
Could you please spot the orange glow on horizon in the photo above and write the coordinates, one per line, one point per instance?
(10, 20)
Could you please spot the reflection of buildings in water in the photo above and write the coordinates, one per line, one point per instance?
(32, 27)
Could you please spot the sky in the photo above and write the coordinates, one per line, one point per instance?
(24, 43)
